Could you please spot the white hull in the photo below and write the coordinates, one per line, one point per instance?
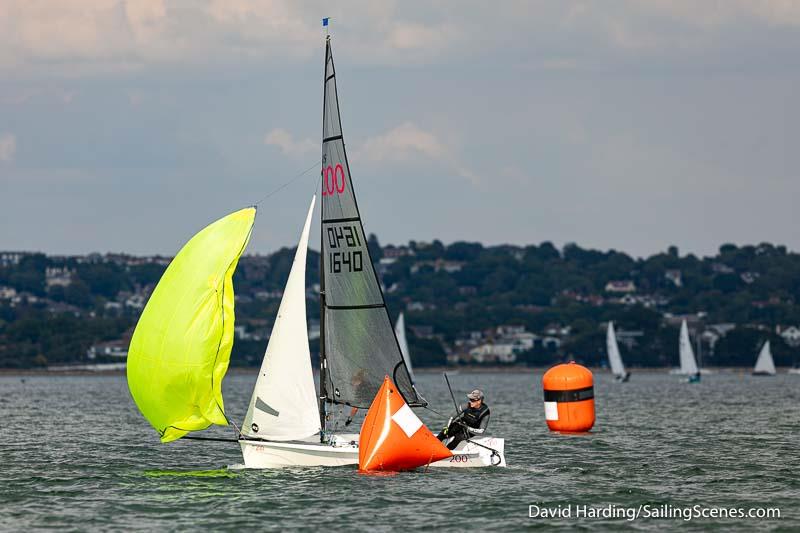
(343, 451)
(273, 454)
(469, 455)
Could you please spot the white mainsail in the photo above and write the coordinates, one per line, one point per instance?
(688, 363)
(400, 333)
(614, 358)
(284, 402)
(764, 363)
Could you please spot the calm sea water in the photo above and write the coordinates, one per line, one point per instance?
(76, 454)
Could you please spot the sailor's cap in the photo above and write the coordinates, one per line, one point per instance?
(477, 394)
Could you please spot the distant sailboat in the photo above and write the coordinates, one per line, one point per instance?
(400, 333)
(765, 366)
(688, 362)
(614, 357)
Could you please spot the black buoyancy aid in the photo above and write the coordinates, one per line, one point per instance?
(472, 416)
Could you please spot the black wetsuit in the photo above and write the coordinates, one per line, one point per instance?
(471, 421)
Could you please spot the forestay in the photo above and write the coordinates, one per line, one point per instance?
(358, 343)
(181, 347)
(284, 405)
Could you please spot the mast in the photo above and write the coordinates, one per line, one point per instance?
(323, 394)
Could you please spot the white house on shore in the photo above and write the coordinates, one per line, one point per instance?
(117, 349)
(621, 287)
(503, 352)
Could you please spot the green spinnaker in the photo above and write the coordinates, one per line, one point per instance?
(182, 344)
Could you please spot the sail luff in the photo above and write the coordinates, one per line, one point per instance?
(688, 363)
(360, 346)
(283, 405)
(614, 357)
(765, 364)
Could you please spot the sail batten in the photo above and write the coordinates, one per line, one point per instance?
(358, 343)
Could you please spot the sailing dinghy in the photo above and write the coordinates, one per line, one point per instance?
(614, 357)
(687, 360)
(765, 366)
(181, 347)
(358, 346)
(400, 333)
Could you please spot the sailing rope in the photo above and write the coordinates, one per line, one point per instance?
(431, 409)
(231, 422)
(292, 180)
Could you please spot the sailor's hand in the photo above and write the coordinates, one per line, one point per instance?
(447, 426)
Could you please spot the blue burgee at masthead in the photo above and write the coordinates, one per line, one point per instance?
(325, 21)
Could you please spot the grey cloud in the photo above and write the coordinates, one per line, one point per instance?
(617, 124)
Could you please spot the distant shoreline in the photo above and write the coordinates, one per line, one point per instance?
(21, 372)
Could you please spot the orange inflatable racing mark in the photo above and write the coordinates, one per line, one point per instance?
(393, 438)
(569, 398)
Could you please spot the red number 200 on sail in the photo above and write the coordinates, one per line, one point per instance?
(330, 180)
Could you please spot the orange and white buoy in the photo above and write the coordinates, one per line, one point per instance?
(569, 398)
(393, 438)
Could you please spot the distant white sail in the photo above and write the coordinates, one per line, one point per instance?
(764, 363)
(614, 358)
(400, 333)
(688, 363)
(284, 402)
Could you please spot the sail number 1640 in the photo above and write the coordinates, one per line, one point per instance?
(345, 261)
(340, 257)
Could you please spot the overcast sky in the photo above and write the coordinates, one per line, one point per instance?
(129, 125)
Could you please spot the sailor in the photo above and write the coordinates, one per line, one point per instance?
(472, 420)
